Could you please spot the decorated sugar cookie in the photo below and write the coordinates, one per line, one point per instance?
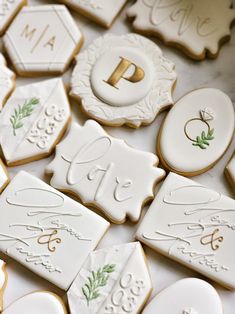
(7, 81)
(3, 281)
(46, 231)
(4, 177)
(193, 225)
(41, 302)
(230, 172)
(42, 40)
(8, 10)
(198, 27)
(112, 280)
(196, 132)
(104, 172)
(190, 295)
(123, 80)
(103, 12)
(33, 120)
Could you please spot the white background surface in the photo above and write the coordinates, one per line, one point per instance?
(219, 73)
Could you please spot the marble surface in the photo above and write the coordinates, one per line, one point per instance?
(219, 73)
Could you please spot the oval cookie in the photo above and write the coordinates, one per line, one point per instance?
(186, 296)
(198, 27)
(123, 80)
(196, 132)
(113, 280)
(41, 302)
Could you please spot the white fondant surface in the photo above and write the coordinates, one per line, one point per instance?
(231, 170)
(219, 73)
(7, 80)
(8, 8)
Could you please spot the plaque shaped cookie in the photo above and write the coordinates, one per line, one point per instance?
(196, 132)
(7, 81)
(8, 10)
(193, 225)
(42, 40)
(190, 295)
(230, 172)
(41, 302)
(4, 177)
(104, 172)
(46, 231)
(103, 12)
(123, 80)
(3, 281)
(198, 27)
(112, 280)
(33, 120)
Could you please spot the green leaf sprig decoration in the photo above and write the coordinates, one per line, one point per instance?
(22, 112)
(97, 280)
(203, 140)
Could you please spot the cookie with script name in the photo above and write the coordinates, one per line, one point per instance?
(8, 10)
(190, 295)
(7, 81)
(112, 280)
(3, 282)
(33, 121)
(103, 12)
(42, 40)
(230, 172)
(4, 177)
(123, 80)
(197, 27)
(104, 172)
(40, 302)
(193, 225)
(46, 231)
(196, 132)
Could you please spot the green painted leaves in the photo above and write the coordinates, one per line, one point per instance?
(203, 140)
(22, 112)
(97, 280)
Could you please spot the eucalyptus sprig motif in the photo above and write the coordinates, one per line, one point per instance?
(22, 112)
(97, 280)
(203, 140)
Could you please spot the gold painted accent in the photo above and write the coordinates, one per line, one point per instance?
(121, 69)
(40, 38)
(28, 33)
(210, 239)
(51, 42)
(49, 239)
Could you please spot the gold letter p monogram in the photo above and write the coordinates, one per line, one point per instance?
(121, 69)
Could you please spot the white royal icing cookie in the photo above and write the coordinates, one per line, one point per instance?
(112, 281)
(4, 177)
(103, 12)
(193, 225)
(201, 125)
(104, 171)
(41, 302)
(46, 231)
(230, 172)
(42, 40)
(7, 81)
(33, 120)
(196, 26)
(123, 80)
(8, 10)
(3, 280)
(189, 296)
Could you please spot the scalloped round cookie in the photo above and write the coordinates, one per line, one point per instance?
(187, 296)
(196, 132)
(123, 80)
(197, 27)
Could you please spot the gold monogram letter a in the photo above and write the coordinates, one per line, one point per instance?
(121, 69)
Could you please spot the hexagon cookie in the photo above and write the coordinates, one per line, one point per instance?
(33, 121)
(7, 81)
(8, 10)
(103, 12)
(197, 27)
(42, 40)
(230, 172)
(123, 80)
(112, 280)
